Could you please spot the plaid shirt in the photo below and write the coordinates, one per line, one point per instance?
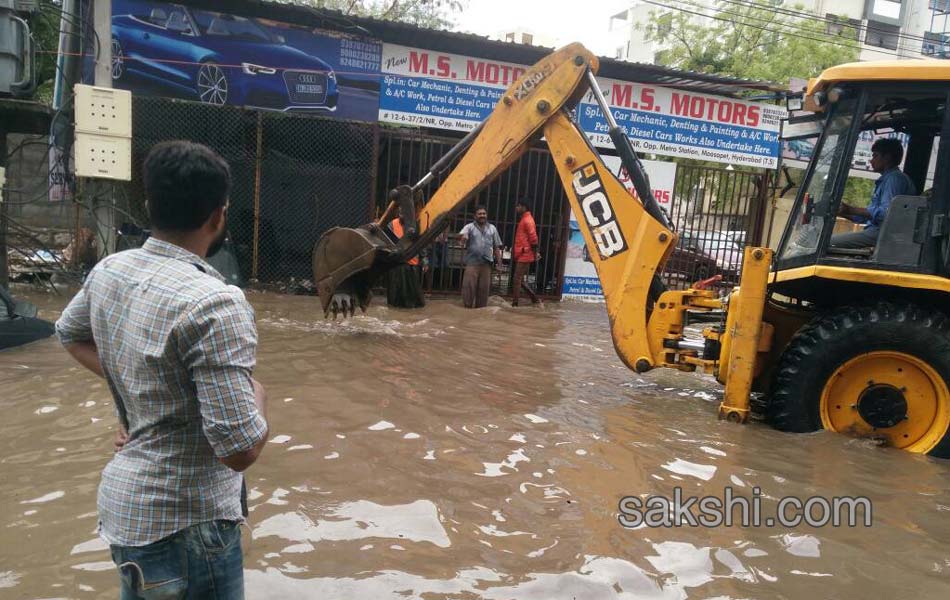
(177, 346)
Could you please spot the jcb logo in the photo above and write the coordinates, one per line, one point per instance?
(597, 211)
(531, 81)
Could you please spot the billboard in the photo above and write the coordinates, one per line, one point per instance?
(580, 276)
(672, 122)
(168, 49)
(449, 91)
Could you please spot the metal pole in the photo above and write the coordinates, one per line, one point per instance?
(255, 242)
(4, 269)
(102, 24)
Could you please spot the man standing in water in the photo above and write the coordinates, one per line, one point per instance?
(177, 347)
(524, 252)
(482, 250)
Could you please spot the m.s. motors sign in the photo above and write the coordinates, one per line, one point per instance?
(672, 122)
(449, 91)
(446, 91)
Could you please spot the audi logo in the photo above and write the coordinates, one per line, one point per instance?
(308, 78)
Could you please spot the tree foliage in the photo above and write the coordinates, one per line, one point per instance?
(751, 40)
(44, 28)
(436, 14)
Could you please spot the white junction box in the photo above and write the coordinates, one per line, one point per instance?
(104, 156)
(103, 111)
(103, 132)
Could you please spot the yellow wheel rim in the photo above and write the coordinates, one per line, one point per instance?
(889, 395)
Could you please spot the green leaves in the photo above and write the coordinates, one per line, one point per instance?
(751, 39)
(435, 14)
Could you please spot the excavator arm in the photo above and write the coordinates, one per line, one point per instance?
(628, 236)
(347, 261)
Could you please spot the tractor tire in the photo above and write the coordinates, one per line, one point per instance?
(879, 370)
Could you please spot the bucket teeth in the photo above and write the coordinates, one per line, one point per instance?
(346, 263)
(342, 304)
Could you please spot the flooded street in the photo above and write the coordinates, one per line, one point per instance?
(474, 454)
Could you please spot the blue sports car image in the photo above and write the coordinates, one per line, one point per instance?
(217, 58)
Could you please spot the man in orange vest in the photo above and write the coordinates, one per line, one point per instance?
(403, 284)
(524, 252)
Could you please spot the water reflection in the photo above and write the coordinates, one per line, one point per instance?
(474, 454)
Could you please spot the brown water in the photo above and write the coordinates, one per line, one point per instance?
(474, 454)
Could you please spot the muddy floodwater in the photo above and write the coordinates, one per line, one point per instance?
(446, 453)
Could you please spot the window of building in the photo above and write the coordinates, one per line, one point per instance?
(842, 27)
(885, 11)
(618, 21)
(882, 35)
(936, 45)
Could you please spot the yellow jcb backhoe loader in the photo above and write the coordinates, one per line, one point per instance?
(856, 341)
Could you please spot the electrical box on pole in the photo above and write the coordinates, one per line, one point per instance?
(103, 132)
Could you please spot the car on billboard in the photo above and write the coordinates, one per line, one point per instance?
(217, 58)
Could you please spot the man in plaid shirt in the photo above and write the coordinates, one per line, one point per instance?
(177, 346)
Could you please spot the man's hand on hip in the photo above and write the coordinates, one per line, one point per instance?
(121, 437)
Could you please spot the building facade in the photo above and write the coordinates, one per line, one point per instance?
(884, 29)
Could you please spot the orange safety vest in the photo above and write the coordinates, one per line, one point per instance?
(396, 226)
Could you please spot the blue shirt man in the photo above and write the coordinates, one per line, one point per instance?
(886, 157)
(892, 182)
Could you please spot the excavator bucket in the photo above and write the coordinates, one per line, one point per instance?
(346, 262)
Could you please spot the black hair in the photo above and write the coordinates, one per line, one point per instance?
(184, 183)
(479, 207)
(890, 147)
(525, 202)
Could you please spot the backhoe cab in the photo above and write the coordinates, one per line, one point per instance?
(864, 342)
(855, 342)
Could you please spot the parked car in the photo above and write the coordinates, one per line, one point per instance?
(217, 58)
(735, 235)
(702, 254)
(862, 158)
(801, 149)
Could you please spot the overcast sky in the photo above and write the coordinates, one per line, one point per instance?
(584, 21)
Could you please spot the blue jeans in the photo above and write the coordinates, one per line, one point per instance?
(201, 561)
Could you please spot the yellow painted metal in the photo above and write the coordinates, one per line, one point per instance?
(740, 341)
(626, 244)
(524, 109)
(875, 277)
(925, 391)
(666, 323)
(884, 70)
(785, 321)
